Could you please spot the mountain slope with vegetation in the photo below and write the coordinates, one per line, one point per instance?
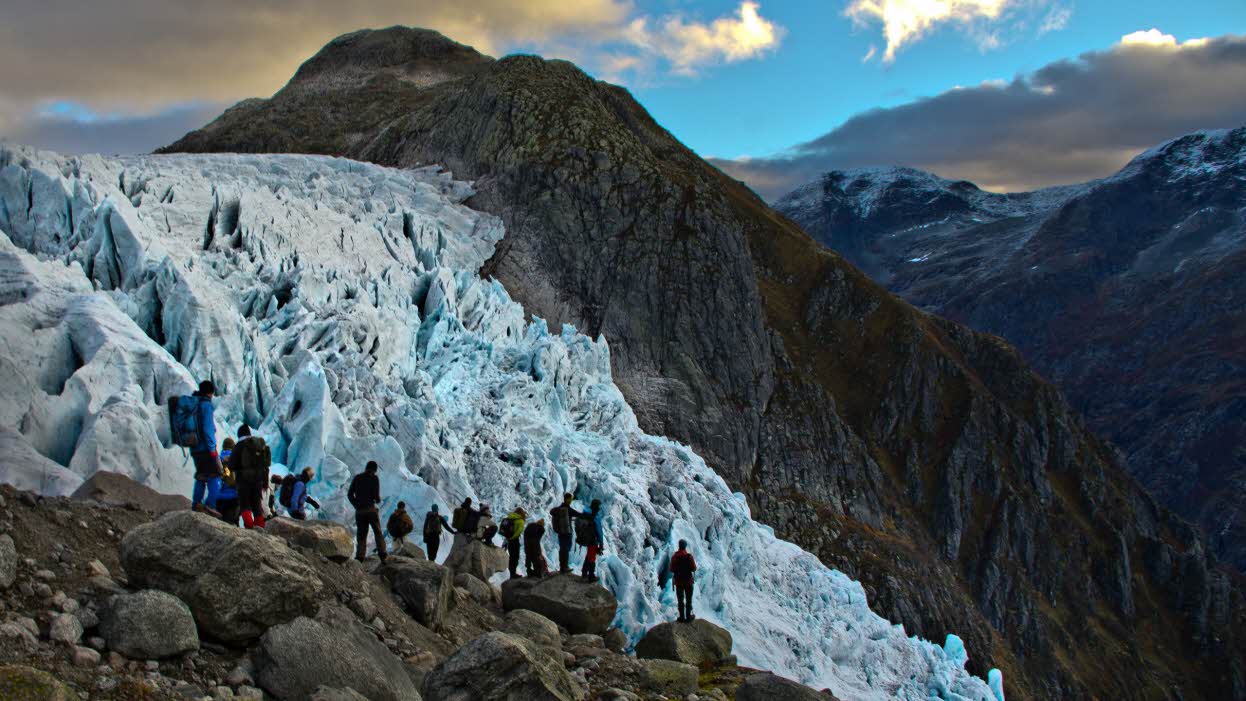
(920, 457)
(1125, 292)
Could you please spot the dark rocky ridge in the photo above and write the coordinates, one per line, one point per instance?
(1125, 292)
(920, 457)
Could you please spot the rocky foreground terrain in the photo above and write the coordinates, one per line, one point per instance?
(916, 455)
(1126, 292)
(105, 598)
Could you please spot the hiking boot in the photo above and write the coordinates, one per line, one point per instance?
(204, 509)
(567, 570)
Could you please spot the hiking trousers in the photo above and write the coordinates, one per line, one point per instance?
(431, 547)
(251, 503)
(370, 518)
(564, 552)
(683, 593)
(590, 561)
(212, 486)
(513, 546)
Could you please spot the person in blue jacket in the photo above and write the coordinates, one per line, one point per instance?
(596, 542)
(207, 462)
(300, 498)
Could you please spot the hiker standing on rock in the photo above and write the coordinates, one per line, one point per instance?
(299, 496)
(486, 527)
(465, 519)
(250, 460)
(365, 494)
(682, 567)
(400, 525)
(589, 533)
(563, 520)
(512, 530)
(433, 523)
(534, 556)
(227, 498)
(207, 462)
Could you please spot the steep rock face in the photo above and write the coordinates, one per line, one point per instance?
(923, 457)
(1125, 292)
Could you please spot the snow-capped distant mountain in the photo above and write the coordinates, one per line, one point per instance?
(1127, 292)
(336, 305)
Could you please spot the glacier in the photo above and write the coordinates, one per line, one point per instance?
(337, 307)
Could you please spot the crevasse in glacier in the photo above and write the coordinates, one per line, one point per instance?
(337, 307)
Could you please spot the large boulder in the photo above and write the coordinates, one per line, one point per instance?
(532, 626)
(21, 683)
(8, 561)
(148, 625)
(425, 587)
(578, 606)
(294, 659)
(501, 667)
(482, 593)
(671, 678)
(470, 556)
(328, 538)
(326, 693)
(115, 489)
(238, 583)
(765, 686)
(699, 643)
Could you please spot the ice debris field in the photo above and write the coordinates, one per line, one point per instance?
(337, 307)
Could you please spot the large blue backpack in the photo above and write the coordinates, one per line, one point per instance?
(184, 421)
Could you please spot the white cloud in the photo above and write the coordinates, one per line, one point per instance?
(1057, 19)
(906, 21)
(688, 46)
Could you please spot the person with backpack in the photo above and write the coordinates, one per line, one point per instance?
(207, 462)
(433, 523)
(563, 520)
(400, 524)
(464, 518)
(590, 534)
(486, 527)
(251, 460)
(299, 497)
(365, 495)
(533, 554)
(227, 498)
(274, 495)
(511, 530)
(682, 567)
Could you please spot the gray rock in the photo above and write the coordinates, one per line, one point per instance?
(207, 564)
(115, 489)
(295, 658)
(536, 628)
(364, 607)
(325, 693)
(423, 586)
(615, 640)
(478, 590)
(409, 549)
(585, 640)
(578, 606)
(472, 557)
(15, 636)
(22, 683)
(767, 687)
(8, 561)
(501, 667)
(65, 628)
(149, 625)
(327, 538)
(85, 657)
(669, 678)
(698, 643)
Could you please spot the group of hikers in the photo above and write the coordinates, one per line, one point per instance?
(230, 485)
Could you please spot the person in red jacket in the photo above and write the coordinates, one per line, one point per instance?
(682, 567)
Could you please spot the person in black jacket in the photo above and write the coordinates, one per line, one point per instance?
(365, 494)
(434, 522)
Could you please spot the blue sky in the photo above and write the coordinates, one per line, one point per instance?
(781, 82)
(816, 79)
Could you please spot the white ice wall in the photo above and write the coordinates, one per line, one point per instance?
(336, 305)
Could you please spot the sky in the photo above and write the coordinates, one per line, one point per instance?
(1011, 94)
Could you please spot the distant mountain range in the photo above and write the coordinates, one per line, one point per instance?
(911, 452)
(1128, 292)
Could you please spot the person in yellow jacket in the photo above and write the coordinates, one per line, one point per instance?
(512, 530)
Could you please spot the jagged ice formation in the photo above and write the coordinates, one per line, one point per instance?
(337, 307)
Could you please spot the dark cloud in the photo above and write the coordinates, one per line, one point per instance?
(132, 134)
(1071, 121)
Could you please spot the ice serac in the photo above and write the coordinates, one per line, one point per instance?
(337, 306)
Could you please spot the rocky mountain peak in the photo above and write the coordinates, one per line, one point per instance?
(419, 57)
